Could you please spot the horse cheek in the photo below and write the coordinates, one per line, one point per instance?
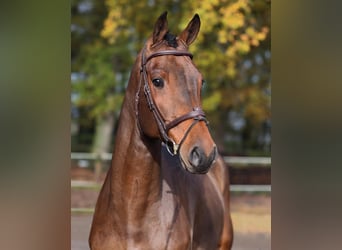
(146, 120)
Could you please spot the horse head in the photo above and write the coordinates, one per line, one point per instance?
(170, 108)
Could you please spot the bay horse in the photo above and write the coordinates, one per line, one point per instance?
(167, 188)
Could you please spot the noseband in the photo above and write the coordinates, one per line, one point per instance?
(196, 114)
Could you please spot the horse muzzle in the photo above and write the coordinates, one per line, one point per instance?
(198, 161)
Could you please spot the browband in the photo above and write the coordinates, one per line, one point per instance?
(166, 53)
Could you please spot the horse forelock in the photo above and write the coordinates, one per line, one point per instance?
(171, 39)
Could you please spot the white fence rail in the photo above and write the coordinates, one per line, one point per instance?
(247, 160)
(91, 156)
(232, 160)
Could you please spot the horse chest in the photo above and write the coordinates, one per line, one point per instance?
(187, 219)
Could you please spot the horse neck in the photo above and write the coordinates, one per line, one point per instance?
(134, 176)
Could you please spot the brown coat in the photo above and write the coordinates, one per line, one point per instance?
(151, 199)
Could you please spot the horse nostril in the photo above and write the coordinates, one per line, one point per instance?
(199, 160)
(195, 157)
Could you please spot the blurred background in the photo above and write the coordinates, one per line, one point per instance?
(232, 51)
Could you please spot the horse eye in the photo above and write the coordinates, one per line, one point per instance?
(158, 82)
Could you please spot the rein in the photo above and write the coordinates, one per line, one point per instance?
(197, 114)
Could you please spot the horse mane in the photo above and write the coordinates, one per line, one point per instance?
(171, 39)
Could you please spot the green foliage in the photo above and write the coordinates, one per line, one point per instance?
(103, 68)
(99, 89)
(233, 53)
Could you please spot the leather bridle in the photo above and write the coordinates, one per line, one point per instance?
(197, 114)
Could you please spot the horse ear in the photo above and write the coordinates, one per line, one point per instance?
(191, 31)
(160, 28)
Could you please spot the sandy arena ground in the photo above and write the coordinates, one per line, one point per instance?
(251, 215)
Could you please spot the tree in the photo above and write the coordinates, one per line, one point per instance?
(98, 87)
(233, 51)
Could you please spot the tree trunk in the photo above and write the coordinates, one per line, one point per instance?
(102, 140)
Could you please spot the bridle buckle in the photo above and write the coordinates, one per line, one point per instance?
(172, 147)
